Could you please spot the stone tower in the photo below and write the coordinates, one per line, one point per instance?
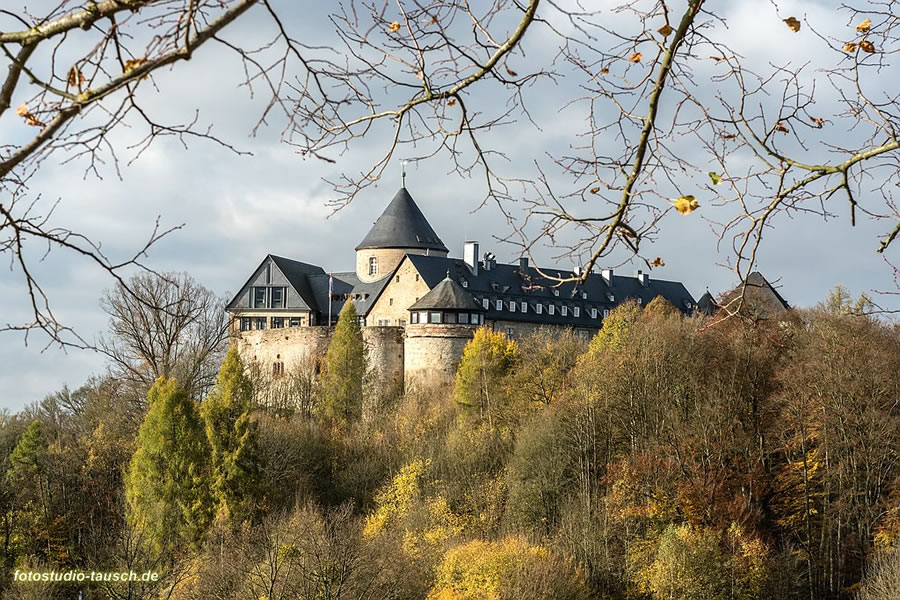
(441, 323)
(400, 230)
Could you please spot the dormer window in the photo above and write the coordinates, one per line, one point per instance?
(556, 293)
(538, 308)
(564, 310)
(605, 312)
(465, 283)
(373, 266)
(524, 307)
(611, 297)
(499, 304)
(512, 306)
(584, 295)
(576, 311)
(593, 313)
(486, 303)
(640, 301)
(551, 309)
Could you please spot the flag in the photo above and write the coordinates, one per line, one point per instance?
(330, 284)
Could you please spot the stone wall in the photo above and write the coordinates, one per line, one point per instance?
(433, 352)
(401, 292)
(518, 329)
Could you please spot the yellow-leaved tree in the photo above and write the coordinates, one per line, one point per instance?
(487, 359)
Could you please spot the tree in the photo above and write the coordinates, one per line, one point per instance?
(487, 359)
(616, 328)
(168, 482)
(345, 368)
(232, 436)
(164, 326)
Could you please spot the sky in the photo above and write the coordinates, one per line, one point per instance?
(234, 209)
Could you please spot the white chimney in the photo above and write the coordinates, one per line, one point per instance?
(470, 256)
(607, 275)
(643, 278)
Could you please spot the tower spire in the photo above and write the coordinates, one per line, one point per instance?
(403, 172)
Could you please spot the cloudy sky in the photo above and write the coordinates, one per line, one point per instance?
(237, 208)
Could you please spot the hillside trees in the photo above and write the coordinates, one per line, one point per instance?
(345, 369)
(168, 480)
(486, 360)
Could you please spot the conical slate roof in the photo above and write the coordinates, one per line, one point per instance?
(706, 304)
(447, 295)
(402, 225)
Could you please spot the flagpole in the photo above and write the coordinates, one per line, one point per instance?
(330, 294)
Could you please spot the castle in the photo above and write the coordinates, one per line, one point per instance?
(417, 305)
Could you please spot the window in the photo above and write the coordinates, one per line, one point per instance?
(260, 322)
(512, 306)
(434, 317)
(551, 309)
(611, 297)
(593, 313)
(556, 293)
(277, 322)
(414, 318)
(564, 310)
(605, 312)
(523, 306)
(398, 279)
(423, 317)
(463, 317)
(401, 322)
(576, 311)
(477, 319)
(259, 297)
(449, 317)
(245, 323)
(498, 304)
(391, 301)
(509, 332)
(277, 368)
(640, 301)
(373, 265)
(417, 276)
(295, 322)
(384, 322)
(538, 308)
(277, 297)
(584, 295)
(465, 283)
(486, 303)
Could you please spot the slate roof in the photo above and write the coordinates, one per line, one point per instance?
(760, 298)
(297, 273)
(402, 225)
(346, 284)
(706, 305)
(447, 295)
(512, 283)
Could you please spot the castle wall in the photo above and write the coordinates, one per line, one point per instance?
(404, 289)
(433, 352)
(518, 329)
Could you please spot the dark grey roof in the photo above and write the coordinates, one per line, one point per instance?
(706, 305)
(510, 282)
(346, 286)
(298, 273)
(447, 295)
(402, 225)
(761, 299)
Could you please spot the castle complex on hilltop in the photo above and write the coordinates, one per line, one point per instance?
(418, 306)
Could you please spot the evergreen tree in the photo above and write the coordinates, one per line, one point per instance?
(233, 441)
(167, 485)
(345, 368)
(486, 360)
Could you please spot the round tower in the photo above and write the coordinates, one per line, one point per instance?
(441, 323)
(400, 230)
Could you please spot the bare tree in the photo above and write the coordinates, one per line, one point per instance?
(675, 120)
(165, 326)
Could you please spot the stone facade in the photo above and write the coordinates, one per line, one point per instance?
(386, 259)
(433, 353)
(392, 307)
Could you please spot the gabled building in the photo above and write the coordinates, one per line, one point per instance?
(406, 280)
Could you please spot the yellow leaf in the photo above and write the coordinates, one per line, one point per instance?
(594, 190)
(867, 46)
(30, 119)
(666, 30)
(657, 262)
(636, 57)
(864, 26)
(75, 77)
(134, 63)
(850, 47)
(686, 205)
(394, 27)
(714, 177)
(793, 24)
(22, 111)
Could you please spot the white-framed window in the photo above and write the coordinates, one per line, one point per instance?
(584, 295)
(556, 293)
(259, 297)
(486, 303)
(576, 311)
(498, 304)
(414, 318)
(564, 310)
(373, 265)
(434, 317)
(523, 306)
(277, 322)
(512, 306)
(593, 313)
(509, 332)
(640, 301)
(605, 312)
(423, 316)
(611, 297)
(278, 294)
(465, 283)
(551, 309)
(463, 318)
(245, 323)
(538, 308)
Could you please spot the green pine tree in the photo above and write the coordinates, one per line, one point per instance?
(168, 483)
(233, 441)
(345, 368)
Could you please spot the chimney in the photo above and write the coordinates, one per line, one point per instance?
(607, 275)
(523, 263)
(489, 261)
(643, 278)
(470, 256)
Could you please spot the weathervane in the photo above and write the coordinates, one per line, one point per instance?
(403, 171)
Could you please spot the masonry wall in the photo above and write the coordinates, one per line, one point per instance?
(518, 329)
(433, 352)
(405, 287)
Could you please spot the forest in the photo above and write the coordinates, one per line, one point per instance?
(669, 457)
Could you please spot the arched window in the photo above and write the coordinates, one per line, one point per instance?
(373, 265)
